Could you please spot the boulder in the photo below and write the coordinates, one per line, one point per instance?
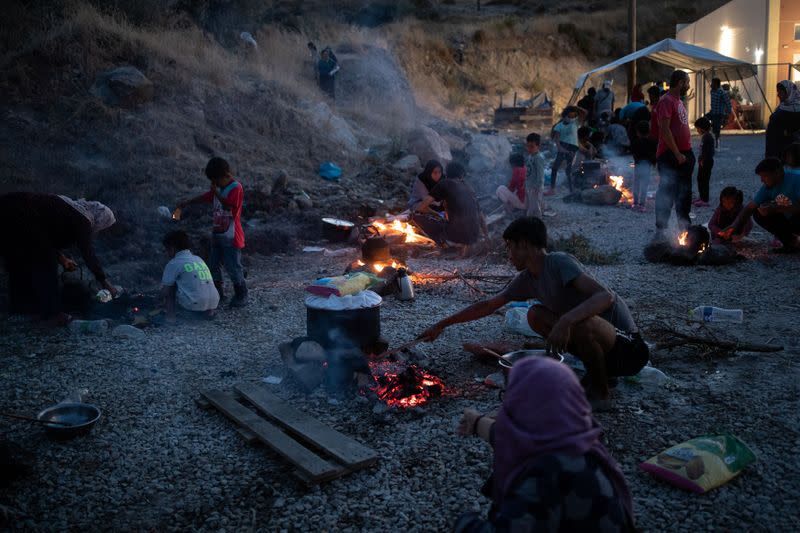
(603, 195)
(333, 126)
(373, 83)
(488, 154)
(426, 144)
(409, 162)
(122, 87)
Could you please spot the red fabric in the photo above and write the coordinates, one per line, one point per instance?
(518, 182)
(234, 202)
(671, 108)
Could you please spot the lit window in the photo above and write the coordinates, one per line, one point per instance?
(797, 32)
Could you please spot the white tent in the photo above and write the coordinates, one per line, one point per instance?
(679, 55)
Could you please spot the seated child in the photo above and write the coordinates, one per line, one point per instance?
(731, 203)
(186, 279)
(513, 196)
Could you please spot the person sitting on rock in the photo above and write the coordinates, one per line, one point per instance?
(576, 313)
(186, 279)
(731, 203)
(550, 470)
(424, 184)
(775, 207)
(463, 223)
(513, 196)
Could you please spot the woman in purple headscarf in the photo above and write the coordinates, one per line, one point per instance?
(551, 473)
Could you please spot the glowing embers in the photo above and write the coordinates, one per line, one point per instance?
(398, 385)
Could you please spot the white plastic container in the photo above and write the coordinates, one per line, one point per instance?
(517, 321)
(707, 313)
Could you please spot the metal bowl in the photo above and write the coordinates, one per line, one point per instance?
(508, 360)
(81, 417)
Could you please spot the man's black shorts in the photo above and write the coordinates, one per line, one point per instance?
(628, 356)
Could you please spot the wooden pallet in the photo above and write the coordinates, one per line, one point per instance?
(319, 453)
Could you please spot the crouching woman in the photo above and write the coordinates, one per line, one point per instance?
(551, 473)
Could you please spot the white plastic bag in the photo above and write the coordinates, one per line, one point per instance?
(517, 322)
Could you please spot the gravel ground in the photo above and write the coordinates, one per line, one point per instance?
(156, 461)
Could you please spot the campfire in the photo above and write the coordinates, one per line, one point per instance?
(627, 195)
(399, 231)
(404, 386)
(699, 241)
(379, 266)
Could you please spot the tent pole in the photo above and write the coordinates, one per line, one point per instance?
(764, 96)
(746, 90)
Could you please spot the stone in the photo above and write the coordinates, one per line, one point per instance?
(426, 144)
(122, 87)
(332, 126)
(409, 162)
(304, 201)
(488, 154)
(128, 332)
(603, 195)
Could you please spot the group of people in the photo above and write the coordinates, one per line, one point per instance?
(55, 223)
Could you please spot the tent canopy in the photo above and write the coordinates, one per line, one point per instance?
(681, 55)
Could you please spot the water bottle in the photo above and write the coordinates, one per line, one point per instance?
(707, 313)
(406, 286)
(88, 326)
(648, 376)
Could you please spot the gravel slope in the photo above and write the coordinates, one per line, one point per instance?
(156, 461)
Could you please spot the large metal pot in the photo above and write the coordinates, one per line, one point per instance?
(81, 418)
(336, 230)
(508, 360)
(344, 328)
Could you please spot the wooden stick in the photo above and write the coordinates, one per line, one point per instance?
(409, 344)
(36, 420)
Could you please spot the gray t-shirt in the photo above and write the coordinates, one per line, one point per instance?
(195, 288)
(553, 289)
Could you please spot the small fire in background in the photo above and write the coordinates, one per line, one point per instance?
(617, 182)
(379, 266)
(397, 227)
(403, 386)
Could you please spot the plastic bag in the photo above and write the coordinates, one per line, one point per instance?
(517, 319)
(362, 300)
(343, 285)
(701, 464)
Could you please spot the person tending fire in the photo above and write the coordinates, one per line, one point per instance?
(576, 314)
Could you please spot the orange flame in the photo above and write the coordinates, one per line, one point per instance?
(404, 387)
(682, 238)
(378, 266)
(403, 228)
(617, 182)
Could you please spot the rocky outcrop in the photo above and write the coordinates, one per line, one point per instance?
(122, 87)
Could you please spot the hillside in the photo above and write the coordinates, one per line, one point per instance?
(404, 65)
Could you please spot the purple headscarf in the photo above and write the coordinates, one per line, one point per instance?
(545, 411)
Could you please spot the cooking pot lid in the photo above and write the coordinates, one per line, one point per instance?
(362, 300)
(338, 222)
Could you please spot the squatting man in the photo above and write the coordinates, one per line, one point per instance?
(574, 312)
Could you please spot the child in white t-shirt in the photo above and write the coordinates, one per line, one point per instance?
(187, 279)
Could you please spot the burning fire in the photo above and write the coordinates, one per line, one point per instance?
(398, 227)
(404, 387)
(378, 266)
(682, 238)
(627, 195)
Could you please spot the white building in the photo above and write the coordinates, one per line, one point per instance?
(763, 32)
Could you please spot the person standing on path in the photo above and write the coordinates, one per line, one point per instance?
(783, 127)
(720, 108)
(604, 101)
(674, 155)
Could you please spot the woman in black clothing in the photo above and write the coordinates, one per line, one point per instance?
(783, 127)
(35, 229)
